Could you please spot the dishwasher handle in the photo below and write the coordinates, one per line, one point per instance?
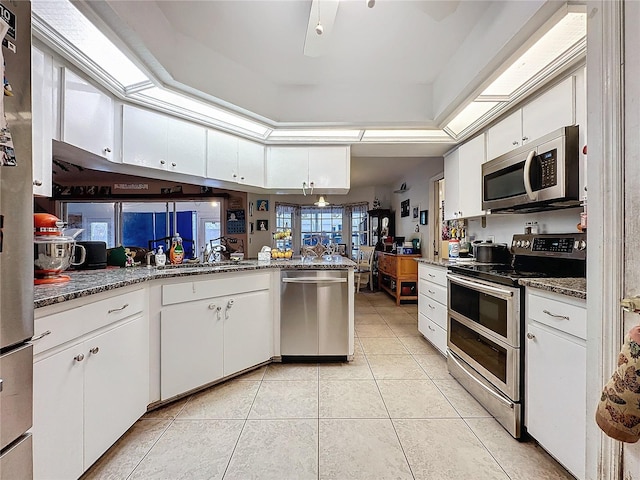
(314, 280)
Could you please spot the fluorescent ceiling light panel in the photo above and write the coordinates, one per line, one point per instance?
(564, 35)
(467, 117)
(405, 135)
(317, 134)
(208, 112)
(69, 23)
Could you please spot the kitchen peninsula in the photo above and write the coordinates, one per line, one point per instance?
(110, 344)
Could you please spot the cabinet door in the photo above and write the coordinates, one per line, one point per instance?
(144, 138)
(555, 396)
(187, 147)
(471, 157)
(250, 163)
(222, 156)
(505, 136)
(116, 385)
(43, 122)
(191, 346)
(552, 110)
(329, 167)
(287, 167)
(58, 415)
(88, 117)
(248, 331)
(451, 200)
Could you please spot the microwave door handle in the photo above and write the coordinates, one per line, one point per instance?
(527, 176)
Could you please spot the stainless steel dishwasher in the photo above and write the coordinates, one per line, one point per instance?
(314, 314)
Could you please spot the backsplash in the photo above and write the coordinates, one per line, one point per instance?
(503, 226)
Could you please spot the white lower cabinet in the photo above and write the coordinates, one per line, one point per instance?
(555, 383)
(432, 305)
(86, 395)
(205, 339)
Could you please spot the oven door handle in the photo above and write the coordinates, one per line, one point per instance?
(481, 287)
(489, 390)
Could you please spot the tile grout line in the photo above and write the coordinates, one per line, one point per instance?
(244, 424)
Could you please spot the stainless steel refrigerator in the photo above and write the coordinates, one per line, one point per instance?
(16, 243)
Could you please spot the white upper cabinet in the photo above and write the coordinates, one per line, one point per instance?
(87, 117)
(471, 157)
(42, 74)
(552, 110)
(294, 169)
(451, 185)
(158, 141)
(234, 159)
(463, 180)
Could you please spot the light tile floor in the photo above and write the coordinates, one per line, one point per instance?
(392, 413)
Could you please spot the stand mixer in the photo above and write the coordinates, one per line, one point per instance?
(52, 251)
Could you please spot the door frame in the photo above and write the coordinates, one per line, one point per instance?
(605, 162)
(434, 229)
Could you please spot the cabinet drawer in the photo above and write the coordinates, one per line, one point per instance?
(433, 291)
(75, 322)
(433, 310)
(566, 315)
(433, 274)
(432, 332)
(220, 286)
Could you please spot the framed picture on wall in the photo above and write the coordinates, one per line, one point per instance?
(263, 225)
(415, 212)
(262, 205)
(404, 208)
(424, 217)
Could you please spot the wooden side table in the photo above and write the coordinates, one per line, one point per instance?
(396, 271)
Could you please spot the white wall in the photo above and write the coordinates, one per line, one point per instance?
(503, 226)
(417, 181)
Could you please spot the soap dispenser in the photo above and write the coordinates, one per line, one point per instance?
(161, 258)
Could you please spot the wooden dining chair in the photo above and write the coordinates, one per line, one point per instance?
(365, 267)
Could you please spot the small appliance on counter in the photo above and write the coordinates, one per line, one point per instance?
(53, 252)
(96, 255)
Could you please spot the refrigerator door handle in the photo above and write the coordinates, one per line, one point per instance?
(0, 384)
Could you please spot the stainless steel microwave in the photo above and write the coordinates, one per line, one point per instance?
(543, 174)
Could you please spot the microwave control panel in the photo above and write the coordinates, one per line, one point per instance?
(548, 168)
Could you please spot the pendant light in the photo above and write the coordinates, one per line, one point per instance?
(319, 27)
(321, 202)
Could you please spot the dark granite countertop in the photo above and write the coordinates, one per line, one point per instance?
(440, 262)
(571, 287)
(89, 282)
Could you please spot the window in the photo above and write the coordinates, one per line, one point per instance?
(285, 216)
(311, 225)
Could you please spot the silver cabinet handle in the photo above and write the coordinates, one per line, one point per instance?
(212, 306)
(530, 336)
(107, 150)
(79, 357)
(431, 275)
(562, 317)
(431, 292)
(94, 350)
(42, 335)
(515, 142)
(118, 309)
(431, 306)
(37, 183)
(524, 139)
(430, 328)
(241, 178)
(173, 164)
(162, 162)
(234, 175)
(226, 310)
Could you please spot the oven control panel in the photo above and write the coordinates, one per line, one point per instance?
(572, 245)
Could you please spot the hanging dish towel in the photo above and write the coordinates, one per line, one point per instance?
(618, 413)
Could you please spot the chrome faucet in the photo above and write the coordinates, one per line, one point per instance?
(148, 256)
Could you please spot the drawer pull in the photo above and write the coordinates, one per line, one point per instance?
(431, 292)
(431, 275)
(531, 336)
(79, 357)
(431, 328)
(431, 306)
(42, 335)
(562, 317)
(118, 309)
(94, 350)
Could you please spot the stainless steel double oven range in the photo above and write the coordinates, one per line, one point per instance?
(486, 319)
